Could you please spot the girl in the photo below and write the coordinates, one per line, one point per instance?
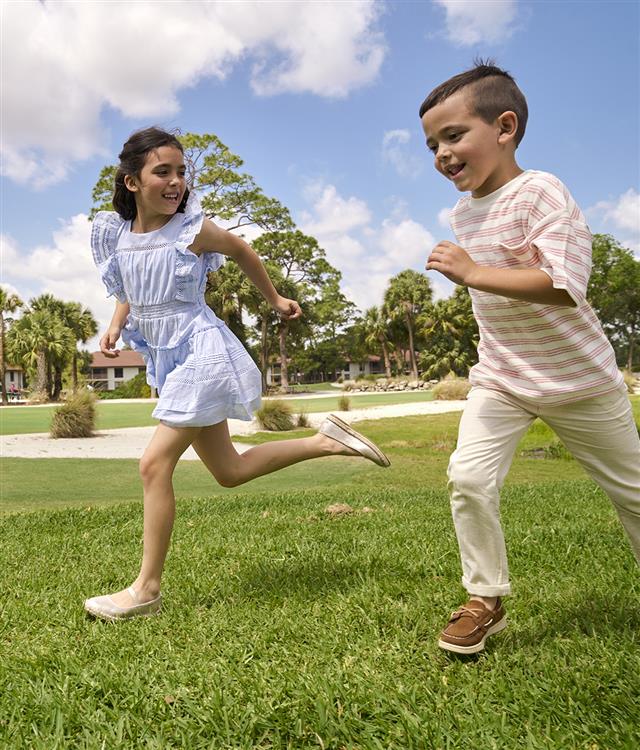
(154, 254)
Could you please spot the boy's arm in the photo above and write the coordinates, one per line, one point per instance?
(527, 284)
(213, 238)
(110, 338)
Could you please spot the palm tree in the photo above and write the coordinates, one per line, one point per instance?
(9, 303)
(38, 337)
(408, 293)
(80, 321)
(452, 332)
(376, 326)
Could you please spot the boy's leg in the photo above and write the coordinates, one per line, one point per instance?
(490, 429)
(601, 433)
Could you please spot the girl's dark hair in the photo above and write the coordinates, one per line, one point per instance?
(492, 92)
(132, 159)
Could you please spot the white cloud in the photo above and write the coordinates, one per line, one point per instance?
(470, 22)
(621, 217)
(405, 244)
(623, 213)
(79, 57)
(64, 268)
(395, 151)
(368, 254)
(444, 217)
(333, 214)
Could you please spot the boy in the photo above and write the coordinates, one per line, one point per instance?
(525, 253)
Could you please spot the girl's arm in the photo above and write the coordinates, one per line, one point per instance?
(108, 341)
(527, 284)
(213, 238)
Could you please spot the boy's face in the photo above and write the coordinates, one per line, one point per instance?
(470, 152)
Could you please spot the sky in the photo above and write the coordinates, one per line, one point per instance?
(320, 100)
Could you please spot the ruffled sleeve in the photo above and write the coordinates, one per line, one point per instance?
(189, 277)
(104, 238)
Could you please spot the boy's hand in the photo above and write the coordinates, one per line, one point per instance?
(108, 342)
(289, 309)
(451, 261)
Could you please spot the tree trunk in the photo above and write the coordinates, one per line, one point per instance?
(284, 370)
(41, 374)
(412, 352)
(74, 370)
(385, 354)
(629, 359)
(3, 376)
(57, 383)
(264, 351)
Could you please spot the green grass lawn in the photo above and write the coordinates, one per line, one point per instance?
(286, 627)
(17, 420)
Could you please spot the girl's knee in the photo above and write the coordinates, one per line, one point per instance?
(151, 466)
(231, 474)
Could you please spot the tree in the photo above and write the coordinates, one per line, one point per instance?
(407, 295)
(452, 332)
(614, 293)
(304, 274)
(80, 321)
(38, 336)
(9, 303)
(376, 328)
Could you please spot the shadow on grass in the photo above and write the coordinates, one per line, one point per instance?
(308, 581)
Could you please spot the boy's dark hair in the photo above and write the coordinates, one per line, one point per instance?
(132, 159)
(493, 91)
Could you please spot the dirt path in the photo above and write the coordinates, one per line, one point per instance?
(130, 442)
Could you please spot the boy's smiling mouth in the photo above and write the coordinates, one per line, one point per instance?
(453, 170)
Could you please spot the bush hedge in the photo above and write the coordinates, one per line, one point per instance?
(76, 417)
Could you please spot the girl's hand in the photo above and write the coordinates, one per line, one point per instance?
(289, 309)
(451, 261)
(108, 342)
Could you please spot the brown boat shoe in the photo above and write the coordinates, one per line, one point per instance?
(471, 625)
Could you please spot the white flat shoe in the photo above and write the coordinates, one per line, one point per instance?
(340, 431)
(104, 608)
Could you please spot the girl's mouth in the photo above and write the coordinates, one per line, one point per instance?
(173, 197)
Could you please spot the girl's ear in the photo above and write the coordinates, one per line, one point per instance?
(508, 124)
(130, 183)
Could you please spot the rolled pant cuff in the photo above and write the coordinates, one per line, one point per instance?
(478, 589)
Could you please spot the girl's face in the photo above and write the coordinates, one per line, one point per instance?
(160, 187)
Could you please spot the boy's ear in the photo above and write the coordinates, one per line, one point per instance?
(508, 124)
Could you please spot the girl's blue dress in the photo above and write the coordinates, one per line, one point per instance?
(202, 372)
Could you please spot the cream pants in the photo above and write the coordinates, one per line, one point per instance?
(600, 433)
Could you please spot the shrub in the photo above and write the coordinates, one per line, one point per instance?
(275, 416)
(76, 417)
(137, 387)
(630, 380)
(302, 420)
(556, 449)
(344, 403)
(451, 388)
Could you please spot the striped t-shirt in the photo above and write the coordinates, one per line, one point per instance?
(548, 353)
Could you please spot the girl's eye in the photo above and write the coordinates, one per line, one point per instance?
(454, 136)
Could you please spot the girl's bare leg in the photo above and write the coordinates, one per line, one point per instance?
(156, 470)
(230, 468)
